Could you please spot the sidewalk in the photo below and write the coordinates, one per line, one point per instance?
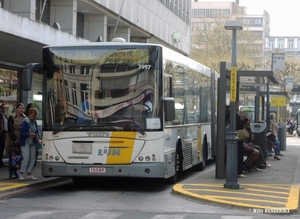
(10, 187)
(274, 190)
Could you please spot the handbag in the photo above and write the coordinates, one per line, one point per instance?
(271, 137)
(38, 144)
(243, 134)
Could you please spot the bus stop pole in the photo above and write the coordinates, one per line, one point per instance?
(232, 150)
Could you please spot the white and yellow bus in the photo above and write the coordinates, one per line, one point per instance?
(119, 136)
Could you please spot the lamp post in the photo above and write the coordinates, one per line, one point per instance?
(232, 150)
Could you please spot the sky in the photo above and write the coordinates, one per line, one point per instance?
(284, 14)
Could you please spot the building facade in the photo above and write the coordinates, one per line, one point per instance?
(205, 16)
(28, 25)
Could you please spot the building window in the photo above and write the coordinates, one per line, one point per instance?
(85, 70)
(219, 12)
(201, 13)
(213, 13)
(252, 21)
(271, 45)
(67, 90)
(207, 13)
(257, 21)
(195, 13)
(280, 43)
(74, 96)
(298, 44)
(200, 26)
(212, 25)
(72, 69)
(226, 13)
(291, 46)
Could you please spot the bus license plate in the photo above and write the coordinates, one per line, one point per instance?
(97, 170)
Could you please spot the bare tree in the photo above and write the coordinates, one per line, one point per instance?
(212, 44)
(292, 68)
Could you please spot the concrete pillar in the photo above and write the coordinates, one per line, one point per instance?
(122, 32)
(65, 14)
(27, 97)
(24, 8)
(95, 26)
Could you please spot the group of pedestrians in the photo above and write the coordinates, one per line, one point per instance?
(255, 157)
(18, 134)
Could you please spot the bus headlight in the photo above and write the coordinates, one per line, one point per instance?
(141, 158)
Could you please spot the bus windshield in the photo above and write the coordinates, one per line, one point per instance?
(101, 88)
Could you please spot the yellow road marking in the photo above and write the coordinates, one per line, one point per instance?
(293, 199)
(238, 192)
(291, 196)
(273, 186)
(268, 191)
(7, 186)
(247, 199)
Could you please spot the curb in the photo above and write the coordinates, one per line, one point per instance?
(33, 187)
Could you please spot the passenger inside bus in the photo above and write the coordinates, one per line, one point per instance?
(84, 109)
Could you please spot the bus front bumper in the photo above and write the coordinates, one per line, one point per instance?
(143, 170)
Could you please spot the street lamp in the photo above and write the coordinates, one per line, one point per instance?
(231, 163)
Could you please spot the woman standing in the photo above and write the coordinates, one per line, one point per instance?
(29, 134)
(274, 131)
(11, 142)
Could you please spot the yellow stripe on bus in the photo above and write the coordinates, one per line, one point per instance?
(121, 146)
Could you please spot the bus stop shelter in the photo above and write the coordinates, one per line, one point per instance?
(244, 78)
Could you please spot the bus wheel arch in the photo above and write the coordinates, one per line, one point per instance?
(178, 163)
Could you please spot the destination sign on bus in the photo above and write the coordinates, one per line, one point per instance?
(98, 55)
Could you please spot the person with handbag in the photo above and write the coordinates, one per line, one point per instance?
(274, 131)
(29, 135)
(12, 147)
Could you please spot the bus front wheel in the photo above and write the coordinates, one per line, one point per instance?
(178, 167)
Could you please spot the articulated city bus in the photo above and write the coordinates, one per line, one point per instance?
(109, 111)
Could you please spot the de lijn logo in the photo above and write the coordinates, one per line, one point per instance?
(109, 152)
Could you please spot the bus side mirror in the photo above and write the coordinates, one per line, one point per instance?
(169, 107)
(27, 75)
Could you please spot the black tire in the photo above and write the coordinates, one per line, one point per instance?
(178, 168)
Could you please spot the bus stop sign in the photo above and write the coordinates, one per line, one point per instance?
(233, 84)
